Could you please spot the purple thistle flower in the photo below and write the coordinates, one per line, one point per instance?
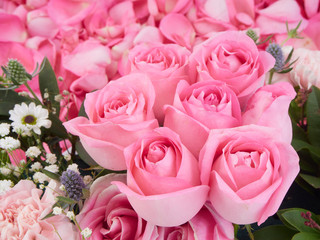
(73, 183)
(275, 50)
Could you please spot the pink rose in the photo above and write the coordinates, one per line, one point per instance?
(118, 115)
(199, 107)
(165, 64)
(108, 213)
(207, 224)
(232, 57)
(269, 107)
(22, 209)
(269, 166)
(163, 179)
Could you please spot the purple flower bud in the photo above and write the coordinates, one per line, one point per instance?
(275, 50)
(73, 183)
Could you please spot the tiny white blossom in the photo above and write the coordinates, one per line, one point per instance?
(42, 186)
(23, 94)
(33, 152)
(52, 168)
(17, 171)
(40, 177)
(86, 232)
(73, 167)
(46, 95)
(62, 188)
(5, 185)
(5, 171)
(29, 118)
(87, 179)
(67, 156)
(65, 92)
(57, 210)
(71, 215)
(51, 158)
(35, 167)
(58, 98)
(4, 129)
(9, 143)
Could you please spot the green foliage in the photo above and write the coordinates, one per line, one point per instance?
(8, 98)
(276, 232)
(313, 116)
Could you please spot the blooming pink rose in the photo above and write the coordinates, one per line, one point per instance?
(165, 64)
(207, 224)
(232, 57)
(199, 107)
(163, 179)
(269, 107)
(250, 173)
(108, 213)
(22, 209)
(118, 115)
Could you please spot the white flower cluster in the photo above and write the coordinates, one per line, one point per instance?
(4, 129)
(33, 152)
(26, 119)
(9, 143)
(5, 185)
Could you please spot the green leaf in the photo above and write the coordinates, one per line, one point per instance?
(51, 175)
(47, 80)
(299, 145)
(313, 181)
(84, 155)
(292, 218)
(276, 232)
(66, 200)
(313, 116)
(306, 236)
(8, 99)
(82, 111)
(57, 128)
(50, 214)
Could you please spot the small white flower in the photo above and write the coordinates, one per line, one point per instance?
(86, 232)
(87, 179)
(57, 210)
(35, 167)
(16, 171)
(52, 168)
(5, 171)
(9, 143)
(51, 158)
(39, 177)
(33, 152)
(67, 156)
(29, 118)
(71, 215)
(46, 95)
(62, 188)
(73, 167)
(58, 98)
(4, 129)
(23, 94)
(65, 92)
(42, 186)
(5, 185)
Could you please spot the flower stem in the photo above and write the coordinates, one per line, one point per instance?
(33, 94)
(248, 227)
(270, 76)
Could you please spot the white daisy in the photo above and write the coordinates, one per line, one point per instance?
(29, 118)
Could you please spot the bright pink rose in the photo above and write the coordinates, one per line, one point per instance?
(118, 115)
(163, 179)
(250, 173)
(108, 212)
(22, 209)
(199, 107)
(232, 57)
(269, 107)
(165, 64)
(207, 224)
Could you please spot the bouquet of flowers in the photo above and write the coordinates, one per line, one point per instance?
(159, 119)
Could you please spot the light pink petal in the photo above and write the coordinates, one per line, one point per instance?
(218, 10)
(311, 7)
(148, 34)
(12, 28)
(169, 209)
(177, 28)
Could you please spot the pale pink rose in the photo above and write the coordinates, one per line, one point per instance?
(159, 8)
(118, 115)
(272, 17)
(199, 107)
(269, 107)
(232, 57)
(178, 29)
(108, 213)
(269, 166)
(163, 179)
(13, 29)
(165, 64)
(207, 224)
(22, 209)
(305, 72)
